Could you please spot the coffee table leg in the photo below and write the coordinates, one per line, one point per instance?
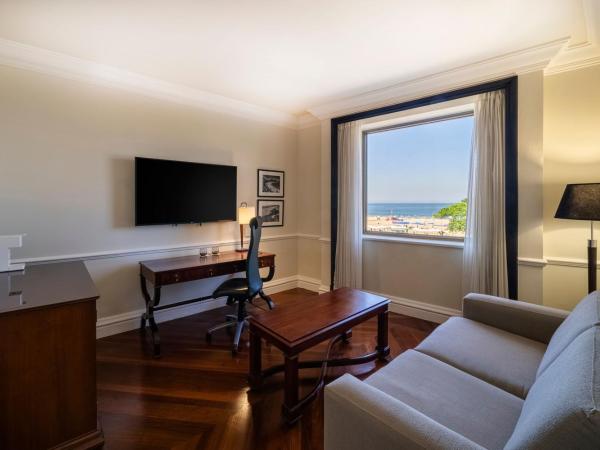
(346, 335)
(383, 349)
(290, 400)
(255, 376)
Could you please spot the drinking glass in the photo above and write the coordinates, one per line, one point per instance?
(203, 252)
(215, 251)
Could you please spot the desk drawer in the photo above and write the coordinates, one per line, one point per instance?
(198, 273)
(181, 276)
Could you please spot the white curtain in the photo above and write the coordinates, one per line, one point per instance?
(348, 253)
(484, 257)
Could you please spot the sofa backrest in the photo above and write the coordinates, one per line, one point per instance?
(585, 315)
(562, 408)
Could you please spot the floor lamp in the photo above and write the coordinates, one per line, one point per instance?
(582, 202)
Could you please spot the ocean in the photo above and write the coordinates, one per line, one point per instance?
(405, 209)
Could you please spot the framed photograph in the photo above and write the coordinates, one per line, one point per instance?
(271, 212)
(271, 183)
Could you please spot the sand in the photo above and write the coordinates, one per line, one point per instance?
(428, 226)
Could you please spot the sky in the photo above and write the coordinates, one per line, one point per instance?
(427, 163)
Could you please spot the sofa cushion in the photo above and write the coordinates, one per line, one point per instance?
(561, 410)
(461, 402)
(503, 359)
(585, 315)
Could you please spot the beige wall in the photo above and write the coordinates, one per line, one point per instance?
(66, 176)
(530, 168)
(325, 247)
(66, 179)
(422, 273)
(309, 201)
(571, 155)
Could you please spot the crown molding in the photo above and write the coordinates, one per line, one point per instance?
(576, 64)
(514, 63)
(583, 54)
(22, 56)
(307, 120)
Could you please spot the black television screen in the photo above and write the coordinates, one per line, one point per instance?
(175, 192)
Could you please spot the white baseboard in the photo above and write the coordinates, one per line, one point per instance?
(128, 321)
(120, 323)
(311, 284)
(421, 310)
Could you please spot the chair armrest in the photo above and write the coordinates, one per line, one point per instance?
(361, 417)
(525, 319)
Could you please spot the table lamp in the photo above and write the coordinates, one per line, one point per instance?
(245, 214)
(582, 202)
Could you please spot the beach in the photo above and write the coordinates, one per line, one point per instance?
(409, 218)
(423, 225)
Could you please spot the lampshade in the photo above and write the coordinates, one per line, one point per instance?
(245, 213)
(580, 202)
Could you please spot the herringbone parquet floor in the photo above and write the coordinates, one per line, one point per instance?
(196, 395)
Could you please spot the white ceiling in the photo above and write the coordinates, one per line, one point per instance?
(290, 55)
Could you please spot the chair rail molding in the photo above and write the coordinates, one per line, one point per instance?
(28, 57)
(532, 262)
(568, 262)
(146, 250)
(554, 261)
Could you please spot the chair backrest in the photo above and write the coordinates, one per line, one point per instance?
(252, 273)
(585, 315)
(562, 408)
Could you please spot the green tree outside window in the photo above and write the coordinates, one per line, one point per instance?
(457, 213)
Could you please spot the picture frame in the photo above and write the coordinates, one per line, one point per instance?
(271, 211)
(270, 183)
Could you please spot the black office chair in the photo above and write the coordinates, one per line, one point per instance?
(242, 290)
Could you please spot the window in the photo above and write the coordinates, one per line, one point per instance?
(416, 177)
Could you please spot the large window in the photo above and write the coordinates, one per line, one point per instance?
(416, 177)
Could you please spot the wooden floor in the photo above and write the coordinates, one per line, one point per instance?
(196, 395)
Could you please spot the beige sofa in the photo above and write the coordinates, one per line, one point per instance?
(507, 375)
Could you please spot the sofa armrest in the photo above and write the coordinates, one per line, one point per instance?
(525, 319)
(361, 417)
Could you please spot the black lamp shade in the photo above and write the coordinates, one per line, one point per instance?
(580, 202)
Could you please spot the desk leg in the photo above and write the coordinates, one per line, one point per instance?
(255, 375)
(290, 399)
(383, 349)
(151, 303)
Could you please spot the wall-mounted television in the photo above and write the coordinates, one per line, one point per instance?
(177, 192)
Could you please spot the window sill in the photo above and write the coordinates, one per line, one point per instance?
(414, 241)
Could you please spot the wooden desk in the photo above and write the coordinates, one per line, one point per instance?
(295, 328)
(163, 272)
(48, 358)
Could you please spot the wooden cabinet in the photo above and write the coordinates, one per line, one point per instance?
(48, 358)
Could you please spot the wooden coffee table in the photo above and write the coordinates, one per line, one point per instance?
(310, 321)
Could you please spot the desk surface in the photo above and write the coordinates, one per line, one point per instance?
(44, 285)
(193, 261)
(316, 313)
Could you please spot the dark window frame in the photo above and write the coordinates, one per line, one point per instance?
(510, 87)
